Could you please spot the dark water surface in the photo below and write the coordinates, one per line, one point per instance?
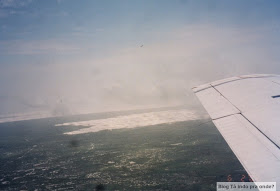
(190, 155)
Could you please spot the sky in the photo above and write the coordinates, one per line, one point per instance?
(69, 57)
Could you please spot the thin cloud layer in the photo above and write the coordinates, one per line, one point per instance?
(158, 74)
(14, 3)
(67, 57)
(39, 47)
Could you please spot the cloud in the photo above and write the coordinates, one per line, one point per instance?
(164, 72)
(4, 13)
(34, 47)
(204, 52)
(14, 3)
(59, 1)
(12, 7)
(161, 73)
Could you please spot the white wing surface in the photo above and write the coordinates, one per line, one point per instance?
(246, 110)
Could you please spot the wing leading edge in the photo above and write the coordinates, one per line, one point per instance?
(246, 111)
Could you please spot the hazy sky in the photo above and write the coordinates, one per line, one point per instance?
(88, 56)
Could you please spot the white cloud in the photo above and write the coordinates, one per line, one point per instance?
(34, 47)
(3, 13)
(14, 3)
(158, 74)
(59, 1)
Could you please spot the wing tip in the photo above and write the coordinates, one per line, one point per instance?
(230, 79)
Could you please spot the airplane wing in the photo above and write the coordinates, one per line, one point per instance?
(246, 111)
